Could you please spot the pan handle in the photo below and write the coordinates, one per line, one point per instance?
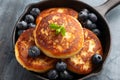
(107, 6)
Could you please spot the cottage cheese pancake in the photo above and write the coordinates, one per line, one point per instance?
(81, 63)
(58, 46)
(40, 63)
(67, 11)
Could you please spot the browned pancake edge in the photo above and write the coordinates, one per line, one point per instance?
(81, 63)
(49, 11)
(41, 63)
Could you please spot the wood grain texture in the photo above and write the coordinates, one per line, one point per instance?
(10, 10)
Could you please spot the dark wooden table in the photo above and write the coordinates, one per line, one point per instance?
(10, 10)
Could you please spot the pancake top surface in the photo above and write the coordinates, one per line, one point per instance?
(67, 11)
(59, 46)
(38, 64)
(81, 63)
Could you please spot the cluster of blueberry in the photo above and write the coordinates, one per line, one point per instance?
(89, 21)
(29, 21)
(60, 72)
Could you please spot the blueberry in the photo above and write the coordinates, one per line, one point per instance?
(65, 75)
(20, 32)
(31, 25)
(52, 74)
(93, 26)
(92, 17)
(61, 66)
(82, 16)
(35, 12)
(85, 10)
(96, 59)
(29, 18)
(88, 24)
(97, 32)
(33, 51)
(22, 25)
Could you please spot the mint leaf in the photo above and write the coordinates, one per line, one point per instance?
(58, 29)
(63, 31)
(53, 26)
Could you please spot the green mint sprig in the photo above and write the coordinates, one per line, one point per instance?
(58, 28)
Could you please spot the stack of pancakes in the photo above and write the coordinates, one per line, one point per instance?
(75, 48)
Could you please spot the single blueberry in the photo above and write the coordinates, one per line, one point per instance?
(61, 66)
(31, 25)
(29, 18)
(97, 32)
(92, 17)
(52, 74)
(35, 12)
(82, 16)
(94, 26)
(88, 24)
(96, 59)
(22, 25)
(33, 51)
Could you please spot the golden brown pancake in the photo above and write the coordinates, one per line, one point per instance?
(41, 63)
(81, 63)
(58, 46)
(67, 11)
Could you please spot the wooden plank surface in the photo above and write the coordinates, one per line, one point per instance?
(10, 10)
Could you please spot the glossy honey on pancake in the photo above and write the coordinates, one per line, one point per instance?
(67, 11)
(58, 46)
(40, 63)
(81, 63)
